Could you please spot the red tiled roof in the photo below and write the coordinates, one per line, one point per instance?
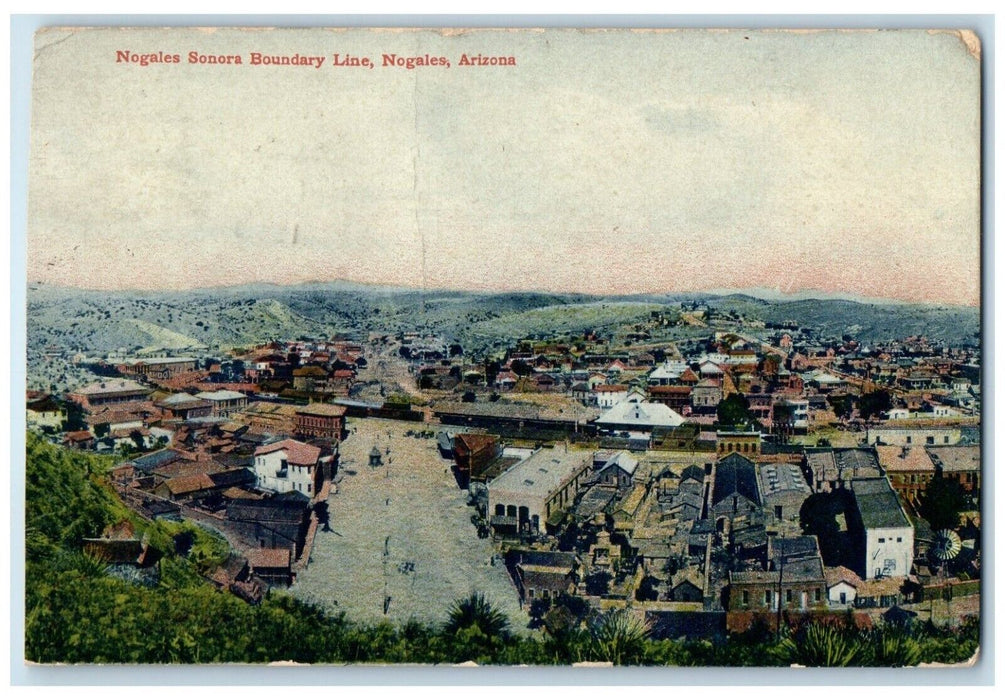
(296, 452)
(835, 575)
(78, 435)
(910, 458)
(606, 388)
(189, 484)
(472, 442)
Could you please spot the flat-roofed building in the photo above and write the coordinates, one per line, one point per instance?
(783, 490)
(961, 463)
(109, 391)
(930, 436)
(319, 420)
(224, 402)
(159, 367)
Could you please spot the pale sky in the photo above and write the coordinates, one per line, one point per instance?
(602, 162)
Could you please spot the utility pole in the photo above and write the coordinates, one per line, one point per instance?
(778, 621)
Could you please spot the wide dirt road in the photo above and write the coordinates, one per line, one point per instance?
(401, 531)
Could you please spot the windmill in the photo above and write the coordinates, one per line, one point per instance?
(945, 547)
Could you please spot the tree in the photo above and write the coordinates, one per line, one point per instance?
(101, 430)
(74, 417)
(137, 438)
(943, 501)
(874, 403)
(476, 612)
(520, 368)
(841, 404)
(734, 410)
(491, 371)
(619, 636)
(468, 397)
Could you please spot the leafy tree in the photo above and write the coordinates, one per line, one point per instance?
(942, 502)
(539, 607)
(734, 410)
(137, 438)
(74, 417)
(491, 371)
(468, 397)
(841, 404)
(874, 403)
(101, 430)
(521, 368)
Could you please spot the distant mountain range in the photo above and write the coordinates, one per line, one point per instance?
(225, 317)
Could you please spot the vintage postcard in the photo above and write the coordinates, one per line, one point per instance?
(497, 347)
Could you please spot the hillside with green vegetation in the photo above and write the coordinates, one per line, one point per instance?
(78, 611)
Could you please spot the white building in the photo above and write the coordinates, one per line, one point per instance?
(289, 465)
(667, 372)
(609, 395)
(634, 413)
(842, 586)
(885, 535)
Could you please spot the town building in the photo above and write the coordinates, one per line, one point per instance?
(783, 491)
(892, 435)
(909, 469)
(961, 463)
(184, 406)
(289, 465)
(319, 420)
(533, 491)
(544, 575)
(636, 414)
(44, 412)
(883, 533)
(224, 402)
(734, 489)
(107, 392)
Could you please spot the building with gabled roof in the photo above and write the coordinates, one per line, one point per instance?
(734, 488)
(635, 414)
(618, 471)
(884, 534)
(289, 465)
